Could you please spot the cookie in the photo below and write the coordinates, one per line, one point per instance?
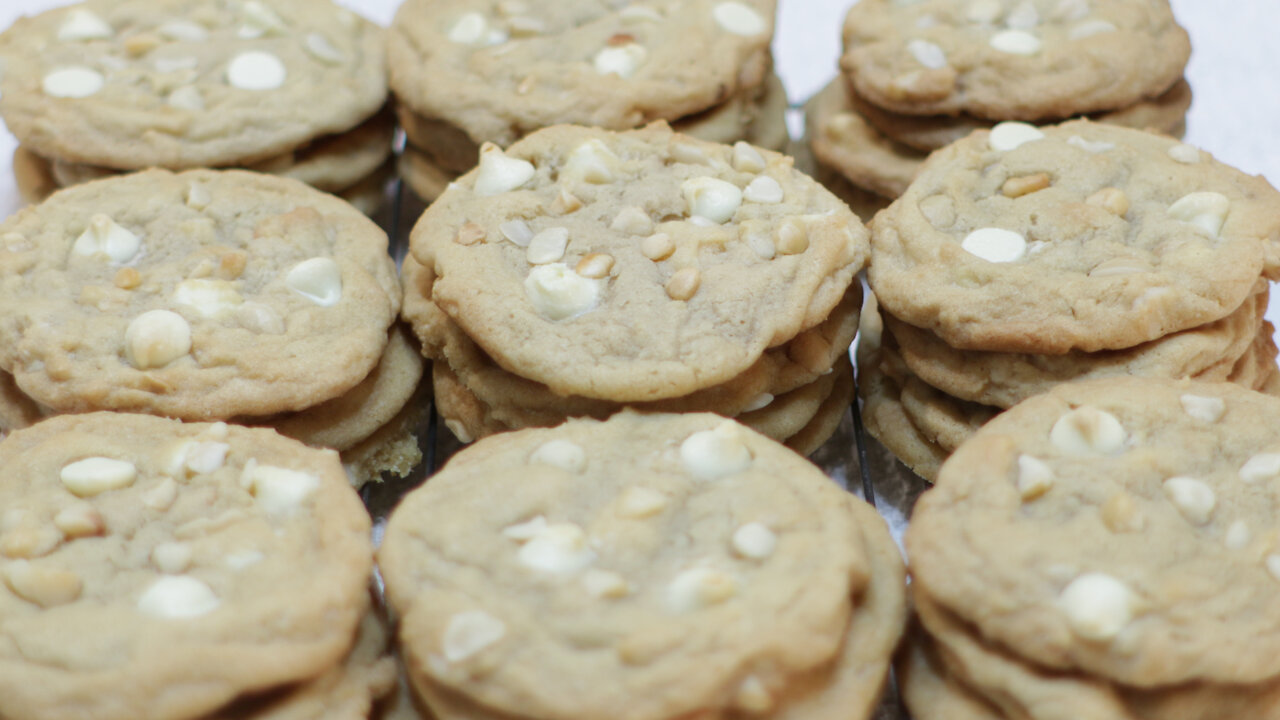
(1005, 379)
(1012, 59)
(497, 76)
(198, 295)
(635, 551)
(421, 173)
(1166, 113)
(216, 562)
(1079, 236)
(928, 689)
(1110, 512)
(843, 140)
(715, 255)
(188, 83)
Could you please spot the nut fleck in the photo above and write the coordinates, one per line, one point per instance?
(684, 284)
(1017, 187)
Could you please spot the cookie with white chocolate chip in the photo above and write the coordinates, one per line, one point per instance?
(197, 295)
(1080, 236)
(624, 555)
(188, 83)
(635, 266)
(495, 74)
(214, 562)
(1012, 59)
(1130, 526)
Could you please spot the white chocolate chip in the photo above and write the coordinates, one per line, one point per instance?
(1237, 535)
(94, 475)
(1273, 565)
(1016, 42)
(525, 531)
(105, 237)
(215, 299)
(738, 18)
(1090, 28)
(1193, 498)
(161, 496)
(591, 162)
(184, 30)
(559, 293)
(605, 584)
(747, 159)
(474, 29)
(498, 173)
(202, 458)
(470, 632)
(688, 153)
(79, 520)
(1205, 210)
(633, 221)
(1205, 409)
(1035, 477)
(1091, 146)
(658, 247)
(1009, 135)
(323, 49)
(763, 189)
(244, 559)
(713, 454)
(198, 196)
(178, 598)
(258, 19)
(1088, 430)
(187, 97)
(84, 24)
(43, 586)
(641, 502)
(1184, 153)
(753, 697)
(73, 82)
(995, 245)
(754, 540)
(760, 243)
(985, 12)
(621, 60)
(171, 558)
(699, 588)
(517, 231)
(759, 402)
(559, 548)
(318, 280)
(256, 70)
(927, 54)
(1262, 467)
(563, 454)
(548, 246)
(1071, 9)
(1097, 606)
(711, 198)
(280, 491)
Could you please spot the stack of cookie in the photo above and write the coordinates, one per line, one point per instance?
(649, 566)
(1022, 257)
(152, 568)
(466, 75)
(920, 75)
(1106, 550)
(290, 87)
(583, 271)
(210, 295)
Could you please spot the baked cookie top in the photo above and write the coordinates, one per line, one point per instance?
(650, 566)
(188, 83)
(501, 70)
(1130, 524)
(1080, 236)
(635, 266)
(201, 295)
(1012, 59)
(206, 560)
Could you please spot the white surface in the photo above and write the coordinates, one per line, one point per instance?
(1234, 73)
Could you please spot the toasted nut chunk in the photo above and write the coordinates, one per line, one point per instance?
(1016, 187)
(684, 284)
(658, 247)
(563, 454)
(41, 585)
(1120, 514)
(594, 265)
(231, 265)
(698, 588)
(96, 475)
(1035, 477)
(470, 234)
(1113, 200)
(470, 632)
(793, 237)
(565, 203)
(30, 542)
(127, 278)
(641, 502)
(79, 520)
